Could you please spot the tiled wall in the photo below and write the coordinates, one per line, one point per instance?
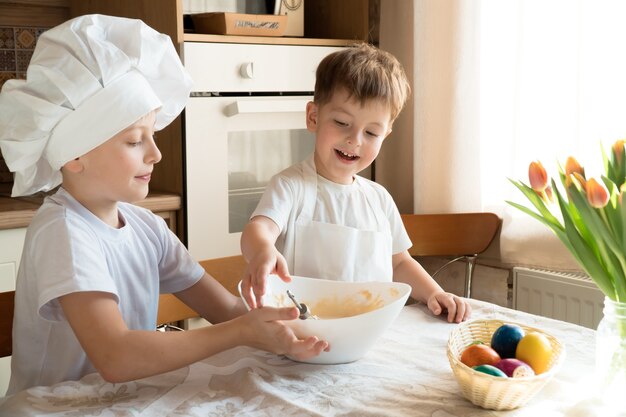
(16, 48)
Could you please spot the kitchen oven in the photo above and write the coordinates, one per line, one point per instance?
(244, 122)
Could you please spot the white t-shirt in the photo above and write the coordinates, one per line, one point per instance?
(340, 204)
(68, 249)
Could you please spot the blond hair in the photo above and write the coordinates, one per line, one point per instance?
(366, 73)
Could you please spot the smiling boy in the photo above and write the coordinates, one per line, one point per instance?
(319, 218)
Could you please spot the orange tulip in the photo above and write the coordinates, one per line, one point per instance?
(581, 180)
(548, 195)
(538, 176)
(597, 194)
(572, 166)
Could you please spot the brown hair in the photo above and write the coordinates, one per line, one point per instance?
(366, 73)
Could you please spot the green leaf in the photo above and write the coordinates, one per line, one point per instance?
(597, 225)
(532, 196)
(587, 257)
(605, 241)
(612, 211)
(557, 227)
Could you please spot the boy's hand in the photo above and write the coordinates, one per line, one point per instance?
(264, 330)
(457, 307)
(265, 262)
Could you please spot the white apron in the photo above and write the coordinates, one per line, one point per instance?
(340, 253)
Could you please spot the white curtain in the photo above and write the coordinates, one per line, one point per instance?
(497, 84)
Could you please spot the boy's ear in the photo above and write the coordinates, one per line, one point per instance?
(74, 166)
(311, 116)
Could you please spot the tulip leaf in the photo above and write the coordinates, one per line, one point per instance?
(597, 225)
(604, 240)
(583, 254)
(537, 201)
(622, 212)
(557, 227)
(569, 209)
(612, 211)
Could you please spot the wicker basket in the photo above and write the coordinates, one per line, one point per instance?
(489, 391)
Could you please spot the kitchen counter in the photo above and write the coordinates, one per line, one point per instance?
(18, 212)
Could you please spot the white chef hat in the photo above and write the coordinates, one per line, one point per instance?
(89, 78)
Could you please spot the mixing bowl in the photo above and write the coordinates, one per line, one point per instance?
(351, 315)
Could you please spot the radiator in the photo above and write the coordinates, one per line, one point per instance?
(559, 295)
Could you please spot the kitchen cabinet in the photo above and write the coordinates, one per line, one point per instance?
(11, 242)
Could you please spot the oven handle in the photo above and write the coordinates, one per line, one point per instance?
(264, 106)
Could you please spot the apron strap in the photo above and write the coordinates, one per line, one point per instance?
(310, 189)
(374, 203)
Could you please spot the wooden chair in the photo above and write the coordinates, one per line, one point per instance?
(228, 271)
(460, 235)
(7, 303)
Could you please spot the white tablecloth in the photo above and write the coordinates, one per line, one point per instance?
(406, 374)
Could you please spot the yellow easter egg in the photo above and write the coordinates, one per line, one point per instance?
(535, 349)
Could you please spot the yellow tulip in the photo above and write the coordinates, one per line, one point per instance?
(597, 194)
(538, 176)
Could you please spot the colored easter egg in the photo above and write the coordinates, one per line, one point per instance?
(535, 349)
(514, 368)
(489, 370)
(478, 354)
(505, 339)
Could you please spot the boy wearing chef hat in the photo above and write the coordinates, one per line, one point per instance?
(319, 218)
(93, 264)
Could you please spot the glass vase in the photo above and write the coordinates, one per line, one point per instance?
(611, 352)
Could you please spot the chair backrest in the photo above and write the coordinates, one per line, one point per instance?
(7, 303)
(228, 271)
(453, 234)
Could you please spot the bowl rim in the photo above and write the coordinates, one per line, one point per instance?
(405, 293)
(455, 361)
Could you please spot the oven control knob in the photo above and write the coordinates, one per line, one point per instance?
(247, 70)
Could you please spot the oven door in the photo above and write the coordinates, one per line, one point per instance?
(234, 146)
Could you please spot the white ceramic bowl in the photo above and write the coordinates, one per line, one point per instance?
(362, 310)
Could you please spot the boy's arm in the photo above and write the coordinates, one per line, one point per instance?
(120, 354)
(211, 300)
(257, 246)
(425, 288)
